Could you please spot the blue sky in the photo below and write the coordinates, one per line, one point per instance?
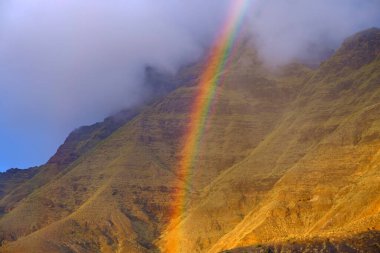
(64, 64)
(69, 63)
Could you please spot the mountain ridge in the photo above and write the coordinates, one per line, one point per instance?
(316, 130)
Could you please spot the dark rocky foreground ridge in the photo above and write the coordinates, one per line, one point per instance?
(289, 156)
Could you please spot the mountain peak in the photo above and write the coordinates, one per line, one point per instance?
(366, 42)
(287, 160)
(361, 48)
(356, 51)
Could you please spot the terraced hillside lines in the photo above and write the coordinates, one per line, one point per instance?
(248, 109)
(303, 179)
(77, 144)
(85, 138)
(289, 158)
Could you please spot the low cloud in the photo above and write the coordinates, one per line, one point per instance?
(288, 30)
(68, 63)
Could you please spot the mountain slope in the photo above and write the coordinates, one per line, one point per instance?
(12, 178)
(325, 147)
(18, 184)
(364, 242)
(77, 143)
(68, 189)
(287, 155)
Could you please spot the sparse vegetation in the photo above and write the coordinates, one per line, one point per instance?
(363, 242)
(289, 156)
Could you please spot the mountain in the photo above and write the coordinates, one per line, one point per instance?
(13, 178)
(289, 160)
(14, 185)
(363, 242)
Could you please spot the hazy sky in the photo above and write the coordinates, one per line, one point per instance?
(67, 63)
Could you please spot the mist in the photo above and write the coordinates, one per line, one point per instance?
(297, 30)
(68, 63)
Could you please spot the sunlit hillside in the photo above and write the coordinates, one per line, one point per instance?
(289, 161)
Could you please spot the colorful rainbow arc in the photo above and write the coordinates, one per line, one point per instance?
(209, 81)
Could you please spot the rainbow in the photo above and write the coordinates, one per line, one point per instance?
(206, 90)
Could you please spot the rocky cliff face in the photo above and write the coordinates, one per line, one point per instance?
(291, 155)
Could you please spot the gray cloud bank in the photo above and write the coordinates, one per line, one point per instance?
(68, 63)
(287, 30)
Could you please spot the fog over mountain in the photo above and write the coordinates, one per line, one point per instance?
(68, 63)
(293, 29)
